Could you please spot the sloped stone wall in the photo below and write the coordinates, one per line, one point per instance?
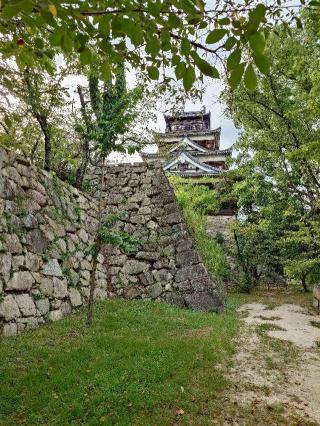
(47, 227)
(167, 266)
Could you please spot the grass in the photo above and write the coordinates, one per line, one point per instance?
(140, 363)
(272, 298)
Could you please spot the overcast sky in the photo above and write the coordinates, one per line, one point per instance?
(211, 100)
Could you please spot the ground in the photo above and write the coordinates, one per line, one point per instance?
(143, 363)
(277, 365)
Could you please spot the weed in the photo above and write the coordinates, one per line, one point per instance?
(315, 323)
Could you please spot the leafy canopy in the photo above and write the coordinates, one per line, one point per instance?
(278, 188)
(184, 35)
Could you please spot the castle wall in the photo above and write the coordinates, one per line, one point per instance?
(47, 228)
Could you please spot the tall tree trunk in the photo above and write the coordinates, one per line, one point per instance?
(40, 116)
(243, 265)
(85, 148)
(42, 120)
(304, 284)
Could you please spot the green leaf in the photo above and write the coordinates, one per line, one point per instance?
(185, 46)
(262, 62)
(174, 21)
(105, 70)
(66, 43)
(55, 38)
(189, 78)
(180, 70)
(257, 42)
(216, 35)
(153, 72)
(256, 16)
(250, 78)
(231, 41)
(234, 59)
(85, 56)
(206, 68)
(153, 46)
(236, 75)
(224, 21)
(258, 13)
(38, 42)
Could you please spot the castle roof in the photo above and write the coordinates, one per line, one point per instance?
(169, 134)
(184, 157)
(187, 114)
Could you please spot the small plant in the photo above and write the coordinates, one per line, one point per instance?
(269, 318)
(315, 324)
(125, 242)
(77, 210)
(22, 211)
(264, 328)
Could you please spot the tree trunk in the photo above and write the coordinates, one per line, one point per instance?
(304, 284)
(243, 264)
(85, 153)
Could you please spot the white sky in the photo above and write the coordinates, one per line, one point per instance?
(211, 100)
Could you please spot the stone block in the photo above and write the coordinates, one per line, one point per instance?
(60, 288)
(55, 315)
(37, 197)
(65, 308)
(37, 242)
(12, 243)
(5, 265)
(75, 297)
(133, 267)
(131, 292)
(46, 287)
(17, 262)
(147, 255)
(43, 306)
(162, 275)
(29, 221)
(22, 280)
(204, 301)
(10, 329)
(188, 257)
(32, 261)
(8, 189)
(155, 290)
(26, 305)
(52, 268)
(9, 308)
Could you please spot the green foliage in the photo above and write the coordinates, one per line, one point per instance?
(149, 35)
(125, 242)
(196, 197)
(196, 201)
(277, 184)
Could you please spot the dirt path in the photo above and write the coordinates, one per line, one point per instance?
(276, 376)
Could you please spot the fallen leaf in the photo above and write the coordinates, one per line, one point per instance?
(53, 10)
(179, 411)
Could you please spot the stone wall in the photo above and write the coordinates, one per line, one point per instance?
(47, 227)
(167, 266)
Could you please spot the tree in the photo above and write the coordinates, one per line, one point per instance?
(33, 116)
(278, 197)
(184, 35)
(114, 110)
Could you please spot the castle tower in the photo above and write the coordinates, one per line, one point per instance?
(189, 148)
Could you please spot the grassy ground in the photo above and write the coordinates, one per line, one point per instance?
(141, 363)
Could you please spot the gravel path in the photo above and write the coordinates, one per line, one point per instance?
(278, 362)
